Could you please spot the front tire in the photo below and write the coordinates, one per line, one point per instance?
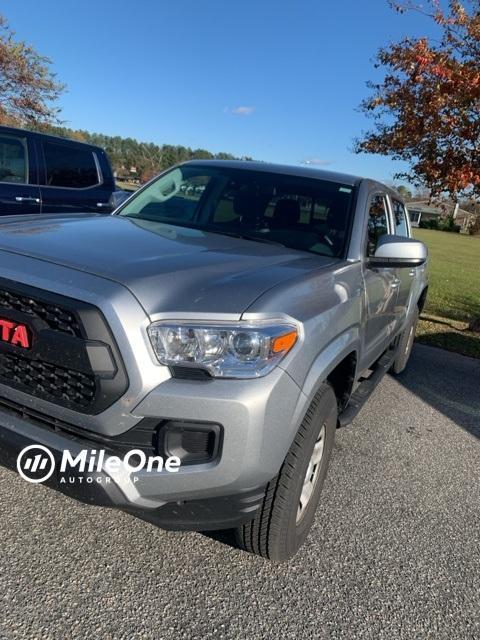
(282, 523)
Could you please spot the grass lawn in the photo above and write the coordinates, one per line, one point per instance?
(454, 291)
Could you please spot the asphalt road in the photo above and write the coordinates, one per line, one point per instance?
(394, 552)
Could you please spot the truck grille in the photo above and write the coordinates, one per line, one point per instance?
(47, 381)
(57, 368)
(56, 318)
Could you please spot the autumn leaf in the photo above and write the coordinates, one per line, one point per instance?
(28, 89)
(427, 109)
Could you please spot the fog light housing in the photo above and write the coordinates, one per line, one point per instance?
(192, 442)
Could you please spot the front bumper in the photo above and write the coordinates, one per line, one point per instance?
(259, 417)
(258, 423)
(99, 489)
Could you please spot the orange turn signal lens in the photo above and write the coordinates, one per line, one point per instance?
(283, 344)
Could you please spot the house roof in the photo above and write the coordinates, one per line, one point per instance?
(424, 206)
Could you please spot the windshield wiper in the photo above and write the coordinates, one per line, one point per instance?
(244, 236)
(170, 223)
(198, 227)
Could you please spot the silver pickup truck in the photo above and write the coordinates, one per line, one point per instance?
(229, 316)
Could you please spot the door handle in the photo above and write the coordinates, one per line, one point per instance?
(27, 199)
(412, 273)
(101, 205)
(395, 283)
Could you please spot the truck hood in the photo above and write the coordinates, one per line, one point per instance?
(169, 269)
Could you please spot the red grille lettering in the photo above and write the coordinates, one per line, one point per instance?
(14, 334)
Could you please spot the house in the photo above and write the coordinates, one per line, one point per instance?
(424, 210)
(463, 218)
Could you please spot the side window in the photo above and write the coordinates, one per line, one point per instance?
(72, 167)
(377, 222)
(400, 218)
(13, 160)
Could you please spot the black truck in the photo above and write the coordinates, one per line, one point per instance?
(46, 174)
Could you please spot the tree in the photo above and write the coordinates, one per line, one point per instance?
(404, 192)
(28, 89)
(148, 158)
(427, 109)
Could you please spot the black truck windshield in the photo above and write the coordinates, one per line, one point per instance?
(307, 214)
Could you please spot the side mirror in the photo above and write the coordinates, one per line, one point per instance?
(397, 251)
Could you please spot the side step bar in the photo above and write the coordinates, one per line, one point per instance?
(366, 388)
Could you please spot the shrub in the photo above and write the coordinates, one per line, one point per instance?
(447, 224)
(429, 224)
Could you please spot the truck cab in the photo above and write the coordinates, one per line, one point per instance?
(47, 174)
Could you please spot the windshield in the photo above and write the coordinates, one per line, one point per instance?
(306, 214)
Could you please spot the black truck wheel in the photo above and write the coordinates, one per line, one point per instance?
(291, 498)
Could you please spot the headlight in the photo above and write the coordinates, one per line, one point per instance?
(239, 350)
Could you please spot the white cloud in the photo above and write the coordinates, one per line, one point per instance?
(241, 110)
(318, 162)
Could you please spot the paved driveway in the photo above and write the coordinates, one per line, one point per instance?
(395, 551)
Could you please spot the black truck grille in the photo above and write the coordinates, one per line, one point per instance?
(57, 367)
(47, 381)
(56, 318)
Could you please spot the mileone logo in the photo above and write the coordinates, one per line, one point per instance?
(14, 334)
(37, 463)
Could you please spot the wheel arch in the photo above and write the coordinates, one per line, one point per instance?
(342, 379)
(337, 364)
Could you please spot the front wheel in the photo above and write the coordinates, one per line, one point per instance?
(291, 498)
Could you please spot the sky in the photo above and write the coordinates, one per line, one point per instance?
(277, 80)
